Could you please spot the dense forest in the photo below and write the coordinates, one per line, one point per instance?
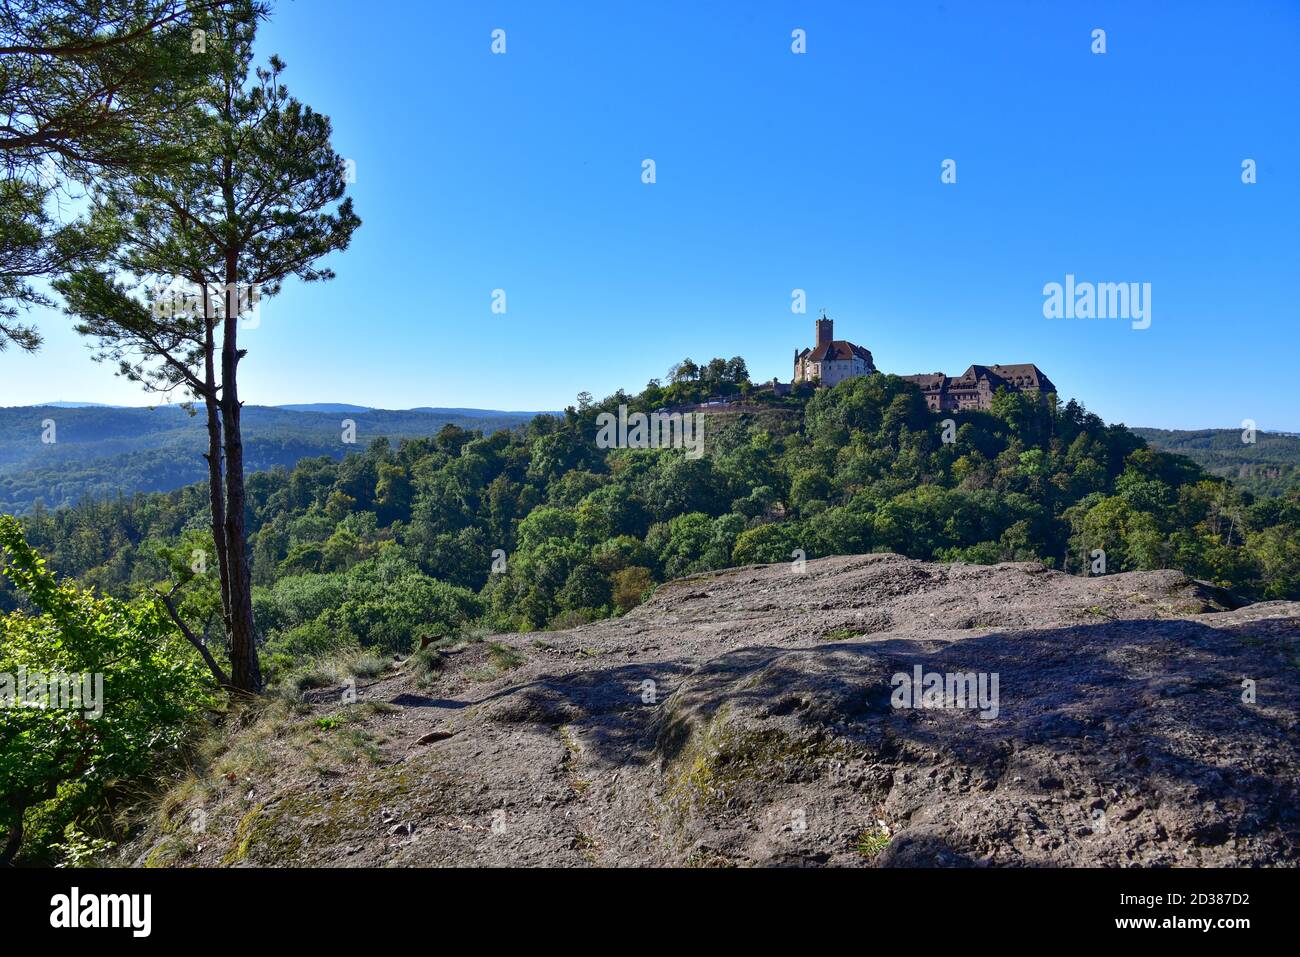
(59, 456)
(537, 527)
(1266, 463)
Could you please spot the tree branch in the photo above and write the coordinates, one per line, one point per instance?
(215, 668)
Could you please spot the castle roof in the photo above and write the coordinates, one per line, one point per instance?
(1026, 375)
(1020, 376)
(836, 349)
(930, 380)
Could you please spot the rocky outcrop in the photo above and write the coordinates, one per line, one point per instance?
(752, 717)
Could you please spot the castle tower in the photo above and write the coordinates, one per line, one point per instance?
(825, 330)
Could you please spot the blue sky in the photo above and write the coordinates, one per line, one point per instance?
(778, 171)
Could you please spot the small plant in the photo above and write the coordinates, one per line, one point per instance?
(367, 665)
(501, 658)
(355, 744)
(504, 657)
(873, 841)
(316, 675)
(79, 849)
(841, 634)
(332, 671)
(426, 663)
(329, 723)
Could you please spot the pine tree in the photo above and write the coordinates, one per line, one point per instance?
(256, 197)
(85, 85)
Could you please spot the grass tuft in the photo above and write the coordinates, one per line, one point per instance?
(871, 842)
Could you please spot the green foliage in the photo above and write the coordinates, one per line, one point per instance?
(537, 528)
(56, 762)
(386, 605)
(1268, 465)
(631, 585)
(86, 87)
(873, 841)
(105, 452)
(768, 543)
(79, 849)
(383, 604)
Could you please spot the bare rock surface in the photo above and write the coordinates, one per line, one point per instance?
(744, 717)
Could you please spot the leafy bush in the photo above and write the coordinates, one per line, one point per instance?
(389, 614)
(55, 762)
(631, 585)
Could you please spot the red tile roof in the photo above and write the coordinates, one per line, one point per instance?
(837, 349)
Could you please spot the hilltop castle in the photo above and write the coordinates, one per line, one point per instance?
(974, 388)
(833, 360)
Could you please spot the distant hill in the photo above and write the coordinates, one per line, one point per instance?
(1269, 466)
(104, 451)
(325, 407)
(454, 411)
(77, 405)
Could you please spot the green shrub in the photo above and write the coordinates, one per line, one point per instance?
(145, 688)
(631, 585)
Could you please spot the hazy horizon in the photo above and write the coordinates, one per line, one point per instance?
(54, 403)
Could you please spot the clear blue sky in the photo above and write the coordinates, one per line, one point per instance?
(778, 171)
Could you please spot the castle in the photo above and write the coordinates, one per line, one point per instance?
(833, 360)
(975, 387)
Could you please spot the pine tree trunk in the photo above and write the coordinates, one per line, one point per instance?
(216, 490)
(217, 504)
(245, 672)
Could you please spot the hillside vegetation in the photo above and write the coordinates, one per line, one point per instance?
(538, 527)
(1269, 465)
(101, 452)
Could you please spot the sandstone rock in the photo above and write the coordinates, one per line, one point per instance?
(757, 725)
(433, 736)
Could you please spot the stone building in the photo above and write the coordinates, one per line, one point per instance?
(831, 360)
(975, 387)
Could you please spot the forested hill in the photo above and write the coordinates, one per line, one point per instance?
(104, 451)
(540, 527)
(1268, 465)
